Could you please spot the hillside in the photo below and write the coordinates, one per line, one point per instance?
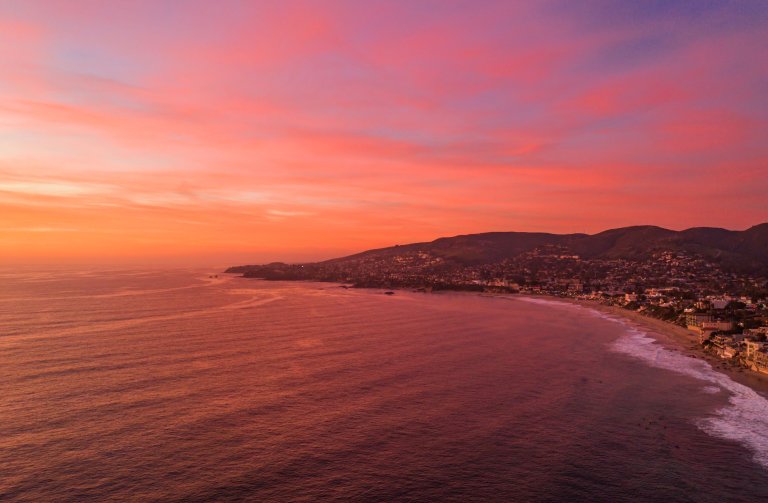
(743, 250)
(740, 251)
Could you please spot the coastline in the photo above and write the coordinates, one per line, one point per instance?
(668, 335)
(676, 338)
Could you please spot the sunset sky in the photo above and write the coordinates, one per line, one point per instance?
(230, 132)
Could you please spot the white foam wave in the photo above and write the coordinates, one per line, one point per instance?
(546, 301)
(744, 419)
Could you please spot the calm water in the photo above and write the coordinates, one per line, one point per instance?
(173, 386)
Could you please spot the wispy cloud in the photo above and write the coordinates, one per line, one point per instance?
(284, 213)
(39, 229)
(55, 188)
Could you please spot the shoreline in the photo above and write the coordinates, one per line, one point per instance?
(668, 335)
(676, 338)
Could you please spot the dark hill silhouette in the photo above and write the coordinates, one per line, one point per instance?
(741, 251)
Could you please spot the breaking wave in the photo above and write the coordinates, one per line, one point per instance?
(744, 419)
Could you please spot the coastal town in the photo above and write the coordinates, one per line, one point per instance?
(727, 309)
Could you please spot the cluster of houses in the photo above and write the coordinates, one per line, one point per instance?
(747, 347)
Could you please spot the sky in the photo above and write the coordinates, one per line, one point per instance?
(225, 132)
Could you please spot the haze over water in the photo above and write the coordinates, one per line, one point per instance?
(174, 386)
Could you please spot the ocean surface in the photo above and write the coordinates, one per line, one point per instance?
(177, 386)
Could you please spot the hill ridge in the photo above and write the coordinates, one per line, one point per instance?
(741, 251)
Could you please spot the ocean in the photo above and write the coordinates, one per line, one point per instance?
(176, 385)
